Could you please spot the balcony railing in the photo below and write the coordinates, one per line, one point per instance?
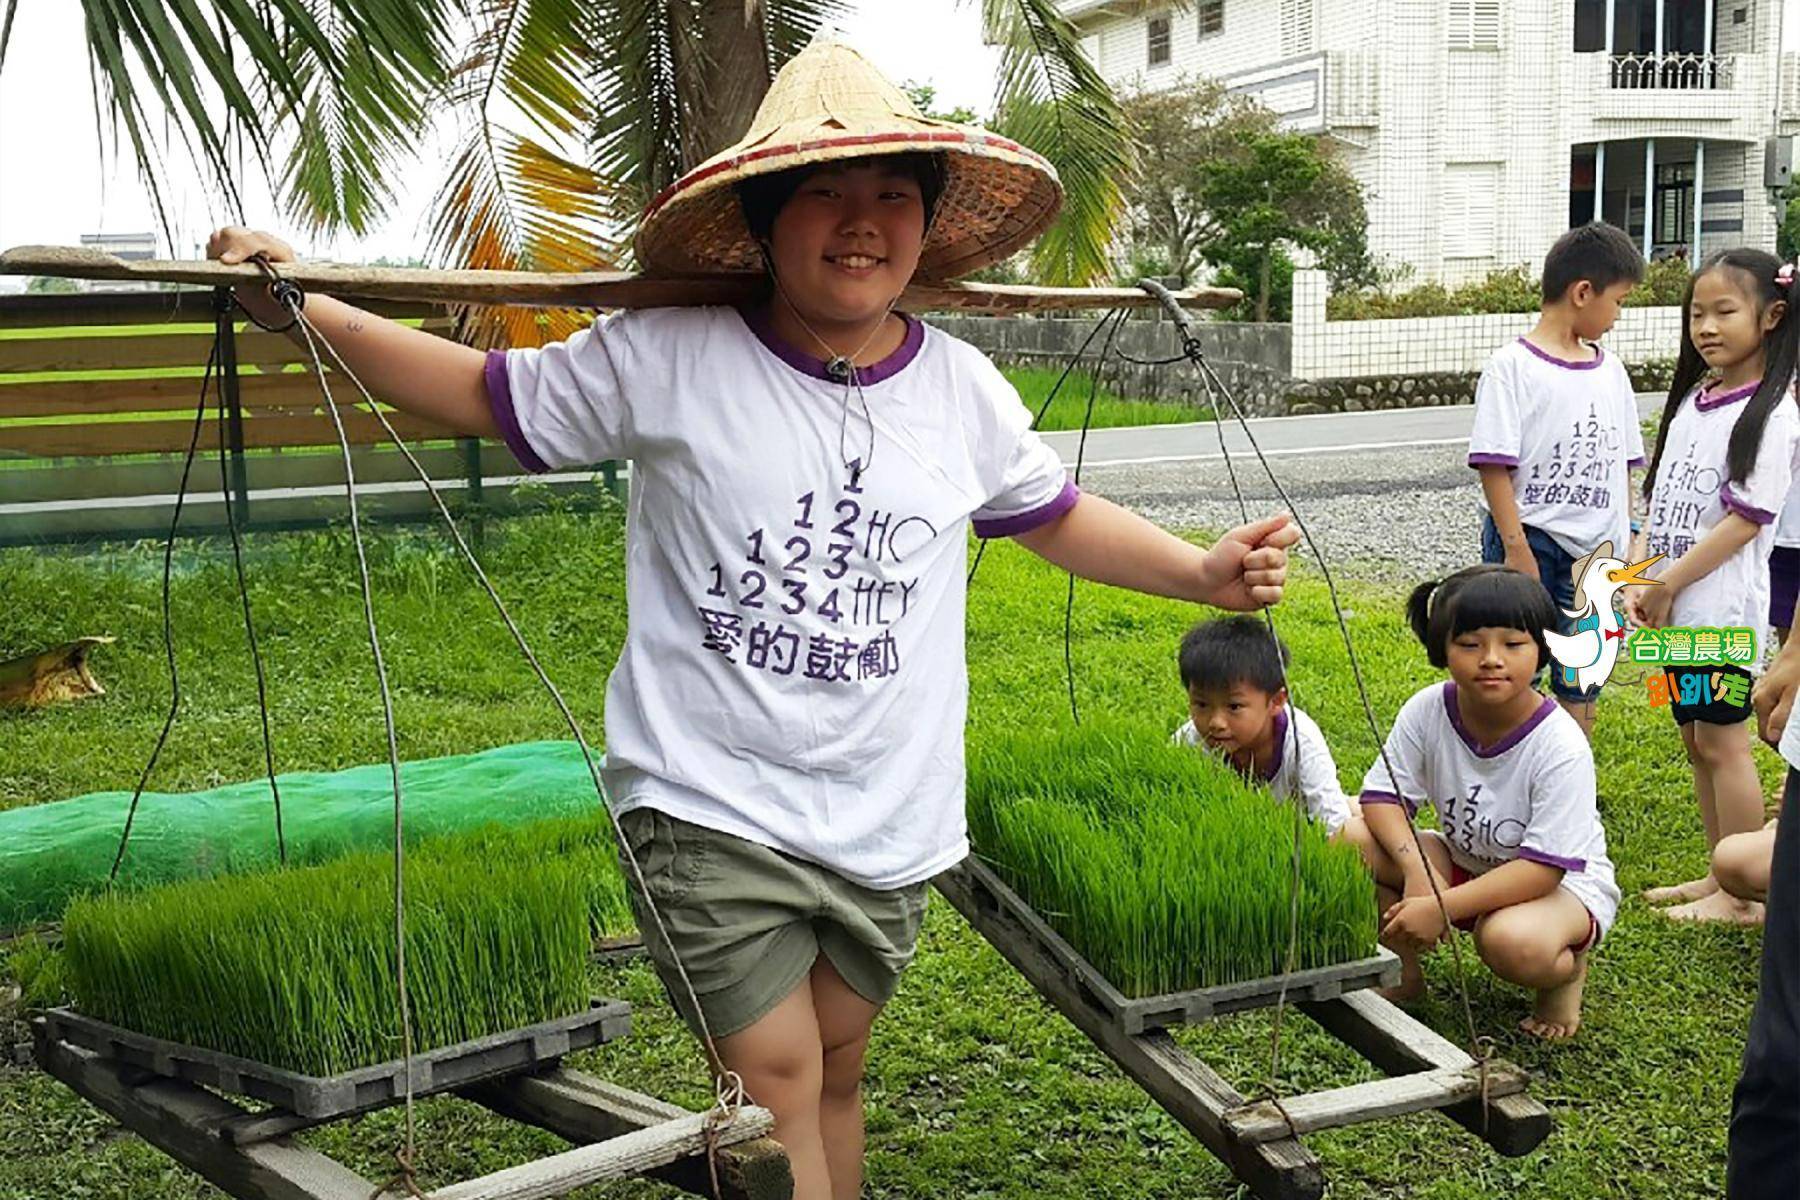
(1672, 72)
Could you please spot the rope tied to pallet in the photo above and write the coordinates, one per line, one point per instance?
(1480, 1048)
(729, 1094)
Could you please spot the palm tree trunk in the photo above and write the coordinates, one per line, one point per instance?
(723, 62)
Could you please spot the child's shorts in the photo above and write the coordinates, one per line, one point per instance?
(1784, 585)
(1554, 566)
(749, 922)
(1730, 709)
(1459, 876)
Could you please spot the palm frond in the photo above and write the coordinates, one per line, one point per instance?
(209, 69)
(641, 116)
(1049, 97)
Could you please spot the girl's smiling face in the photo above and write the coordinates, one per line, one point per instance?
(848, 240)
(1725, 321)
(1492, 665)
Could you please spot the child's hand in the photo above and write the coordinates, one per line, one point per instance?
(235, 244)
(1247, 568)
(1650, 607)
(1417, 921)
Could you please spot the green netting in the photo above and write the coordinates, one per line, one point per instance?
(50, 853)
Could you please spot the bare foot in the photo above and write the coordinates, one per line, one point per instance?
(1557, 1014)
(1695, 889)
(1719, 906)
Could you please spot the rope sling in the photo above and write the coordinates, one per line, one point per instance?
(729, 1092)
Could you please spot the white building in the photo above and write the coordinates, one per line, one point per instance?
(1478, 127)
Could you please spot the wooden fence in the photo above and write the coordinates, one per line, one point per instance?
(97, 399)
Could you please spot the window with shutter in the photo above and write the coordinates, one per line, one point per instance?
(1474, 24)
(1159, 41)
(1297, 23)
(1471, 209)
(1212, 17)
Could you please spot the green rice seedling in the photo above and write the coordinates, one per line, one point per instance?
(295, 968)
(37, 967)
(1158, 863)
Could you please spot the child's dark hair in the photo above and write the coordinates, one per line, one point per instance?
(1755, 271)
(1479, 597)
(1230, 650)
(1600, 253)
(762, 196)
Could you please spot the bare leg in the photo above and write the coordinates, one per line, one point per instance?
(1737, 808)
(1389, 879)
(1706, 885)
(844, 1021)
(1582, 711)
(781, 1061)
(1531, 944)
(1742, 862)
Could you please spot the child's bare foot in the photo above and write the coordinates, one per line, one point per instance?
(1557, 1014)
(1719, 906)
(1695, 889)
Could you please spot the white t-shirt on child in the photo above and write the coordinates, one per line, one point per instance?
(1569, 431)
(1787, 525)
(793, 669)
(1530, 795)
(1693, 493)
(1302, 766)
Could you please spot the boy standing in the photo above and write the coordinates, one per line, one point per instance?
(1556, 431)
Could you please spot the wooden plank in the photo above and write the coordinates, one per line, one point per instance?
(131, 352)
(83, 397)
(171, 436)
(616, 1158)
(590, 289)
(181, 306)
(584, 1109)
(1399, 1043)
(1371, 1101)
(1190, 1091)
(183, 1122)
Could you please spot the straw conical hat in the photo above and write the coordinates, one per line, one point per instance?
(827, 104)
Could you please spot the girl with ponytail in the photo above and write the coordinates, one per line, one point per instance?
(1724, 459)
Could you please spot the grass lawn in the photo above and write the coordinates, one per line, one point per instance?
(976, 1087)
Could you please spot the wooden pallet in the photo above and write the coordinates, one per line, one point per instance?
(252, 1156)
(1255, 1140)
(1136, 1015)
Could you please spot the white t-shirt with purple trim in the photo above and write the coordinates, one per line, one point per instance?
(1302, 767)
(1693, 492)
(1530, 795)
(1569, 431)
(793, 670)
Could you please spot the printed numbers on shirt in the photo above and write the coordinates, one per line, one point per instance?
(1465, 825)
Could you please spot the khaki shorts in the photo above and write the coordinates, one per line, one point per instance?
(749, 922)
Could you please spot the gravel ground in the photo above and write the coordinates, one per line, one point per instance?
(1395, 516)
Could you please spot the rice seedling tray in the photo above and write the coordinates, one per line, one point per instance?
(983, 891)
(322, 1098)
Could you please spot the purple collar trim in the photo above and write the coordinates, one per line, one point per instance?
(1281, 735)
(1588, 365)
(814, 367)
(1504, 744)
(1708, 400)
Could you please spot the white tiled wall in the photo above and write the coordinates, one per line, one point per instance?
(1428, 345)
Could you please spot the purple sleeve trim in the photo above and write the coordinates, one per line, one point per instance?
(1639, 461)
(1389, 798)
(1492, 460)
(1553, 860)
(1025, 522)
(1749, 512)
(500, 403)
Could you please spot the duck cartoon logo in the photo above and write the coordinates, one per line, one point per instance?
(1586, 656)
